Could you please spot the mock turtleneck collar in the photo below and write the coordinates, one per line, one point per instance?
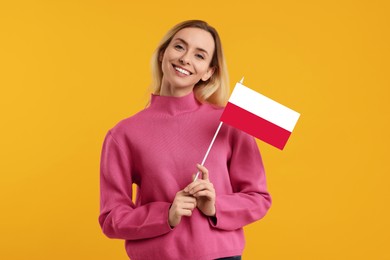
(174, 105)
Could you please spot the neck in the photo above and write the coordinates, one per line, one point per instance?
(168, 89)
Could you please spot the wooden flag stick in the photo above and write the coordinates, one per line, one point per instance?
(212, 142)
(208, 150)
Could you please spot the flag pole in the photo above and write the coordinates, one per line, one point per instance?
(212, 142)
(208, 150)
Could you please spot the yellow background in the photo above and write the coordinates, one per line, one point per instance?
(71, 69)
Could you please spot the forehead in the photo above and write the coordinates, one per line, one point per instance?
(197, 38)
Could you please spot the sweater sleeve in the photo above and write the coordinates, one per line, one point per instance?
(250, 200)
(119, 217)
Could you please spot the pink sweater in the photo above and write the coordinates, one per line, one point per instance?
(158, 149)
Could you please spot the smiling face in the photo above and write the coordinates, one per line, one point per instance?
(186, 61)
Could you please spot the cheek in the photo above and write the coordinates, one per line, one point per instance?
(202, 68)
(169, 53)
(165, 62)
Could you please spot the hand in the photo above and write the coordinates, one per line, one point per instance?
(182, 205)
(204, 192)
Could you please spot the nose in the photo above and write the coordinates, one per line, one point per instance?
(184, 59)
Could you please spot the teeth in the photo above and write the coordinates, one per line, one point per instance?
(182, 71)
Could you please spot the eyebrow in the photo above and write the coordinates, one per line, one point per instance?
(186, 43)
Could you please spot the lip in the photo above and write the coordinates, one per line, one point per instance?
(176, 66)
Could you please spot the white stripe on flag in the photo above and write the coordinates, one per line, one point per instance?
(264, 107)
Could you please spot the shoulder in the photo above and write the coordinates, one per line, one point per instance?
(213, 107)
(129, 124)
(212, 110)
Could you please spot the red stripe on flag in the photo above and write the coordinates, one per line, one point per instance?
(254, 125)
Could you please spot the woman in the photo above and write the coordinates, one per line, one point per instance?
(173, 216)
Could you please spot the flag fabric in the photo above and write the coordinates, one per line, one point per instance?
(259, 116)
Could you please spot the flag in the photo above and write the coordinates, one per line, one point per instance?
(259, 116)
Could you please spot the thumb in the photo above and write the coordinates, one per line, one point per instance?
(205, 172)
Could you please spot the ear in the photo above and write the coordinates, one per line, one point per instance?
(208, 73)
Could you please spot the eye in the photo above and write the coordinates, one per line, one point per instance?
(179, 47)
(200, 56)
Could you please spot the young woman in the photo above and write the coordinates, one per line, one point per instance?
(173, 216)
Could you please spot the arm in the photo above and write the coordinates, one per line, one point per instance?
(250, 200)
(119, 218)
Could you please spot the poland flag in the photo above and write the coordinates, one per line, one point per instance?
(259, 116)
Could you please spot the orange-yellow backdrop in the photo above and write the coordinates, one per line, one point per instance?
(71, 69)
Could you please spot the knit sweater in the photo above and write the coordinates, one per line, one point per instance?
(157, 149)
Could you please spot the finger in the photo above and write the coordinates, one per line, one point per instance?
(205, 172)
(194, 184)
(188, 205)
(183, 212)
(191, 186)
(186, 212)
(205, 193)
(196, 188)
(205, 185)
(186, 199)
(183, 193)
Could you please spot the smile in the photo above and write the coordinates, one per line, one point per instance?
(181, 70)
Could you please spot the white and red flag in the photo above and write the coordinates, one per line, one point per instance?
(259, 116)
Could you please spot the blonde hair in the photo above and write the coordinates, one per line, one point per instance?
(216, 89)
